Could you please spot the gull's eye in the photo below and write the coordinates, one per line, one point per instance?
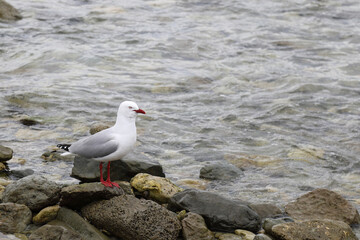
(130, 107)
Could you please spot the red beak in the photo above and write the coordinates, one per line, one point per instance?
(140, 111)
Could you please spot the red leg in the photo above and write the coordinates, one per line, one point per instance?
(108, 177)
(106, 184)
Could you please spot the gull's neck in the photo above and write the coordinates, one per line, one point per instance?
(123, 122)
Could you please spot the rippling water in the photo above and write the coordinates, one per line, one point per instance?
(269, 86)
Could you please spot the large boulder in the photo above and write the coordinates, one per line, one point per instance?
(220, 213)
(323, 204)
(220, 171)
(88, 171)
(77, 196)
(194, 228)
(157, 188)
(313, 229)
(14, 217)
(129, 218)
(34, 191)
(8, 12)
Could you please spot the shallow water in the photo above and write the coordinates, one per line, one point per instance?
(269, 86)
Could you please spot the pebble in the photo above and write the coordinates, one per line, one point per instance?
(5, 153)
(46, 215)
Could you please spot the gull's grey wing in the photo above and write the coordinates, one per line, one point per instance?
(98, 145)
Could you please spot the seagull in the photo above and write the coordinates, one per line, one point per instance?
(110, 144)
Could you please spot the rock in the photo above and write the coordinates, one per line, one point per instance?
(129, 218)
(200, 184)
(8, 12)
(21, 173)
(313, 229)
(88, 171)
(126, 186)
(220, 214)
(159, 189)
(2, 166)
(265, 210)
(52, 156)
(16, 236)
(98, 127)
(51, 232)
(28, 121)
(46, 215)
(220, 171)
(245, 235)
(78, 224)
(5, 152)
(323, 204)
(14, 217)
(270, 222)
(227, 236)
(77, 196)
(262, 236)
(194, 228)
(34, 191)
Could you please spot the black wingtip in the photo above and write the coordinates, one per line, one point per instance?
(64, 146)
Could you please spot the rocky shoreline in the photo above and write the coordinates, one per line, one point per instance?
(150, 206)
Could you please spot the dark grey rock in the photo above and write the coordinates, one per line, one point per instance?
(21, 173)
(313, 229)
(54, 232)
(220, 171)
(5, 152)
(77, 196)
(79, 225)
(36, 192)
(323, 204)
(129, 218)
(88, 171)
(8, 12)
(220, 214)
(270, 222)
(194, 228)
(265, 210)
(14, 217)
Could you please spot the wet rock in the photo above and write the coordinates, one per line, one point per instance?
(262, 236)
(129, 218)
(313, 229)
(46, 215)
(14, 217)
(220, 214)
(265, 210)
(21, 173)
(51, 232)
(245, 235)
(159, 189)
(220, 171)
(270, 222)
(98, 127)
(2, 166)
(88, 171)
(323, 204)
(77, 196)
(70, 218)
(5, 152)
(36, 192)
(8, 12)
(194, 228)
(200, 184)
(52, 156)
(227, 236)
(28, 121)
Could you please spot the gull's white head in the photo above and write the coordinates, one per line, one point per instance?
(129, 109)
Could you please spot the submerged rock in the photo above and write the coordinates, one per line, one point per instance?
(88, 171)
(129, 218)
(313, 229)
(220, 214)
(36, 192)
(220, 171)
(5, 152)
(77, 196)
(194, 228)
(46, 215)
(323, 204)
(8, 12)
(14, 217)
(159, 189)
(265, 210)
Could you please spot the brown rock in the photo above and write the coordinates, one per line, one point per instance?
(8, 12)
(51, 232)
(323, 204)
(14, 217)
(265, 210)
(129, 218)
(194, 228)
(314, 230)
